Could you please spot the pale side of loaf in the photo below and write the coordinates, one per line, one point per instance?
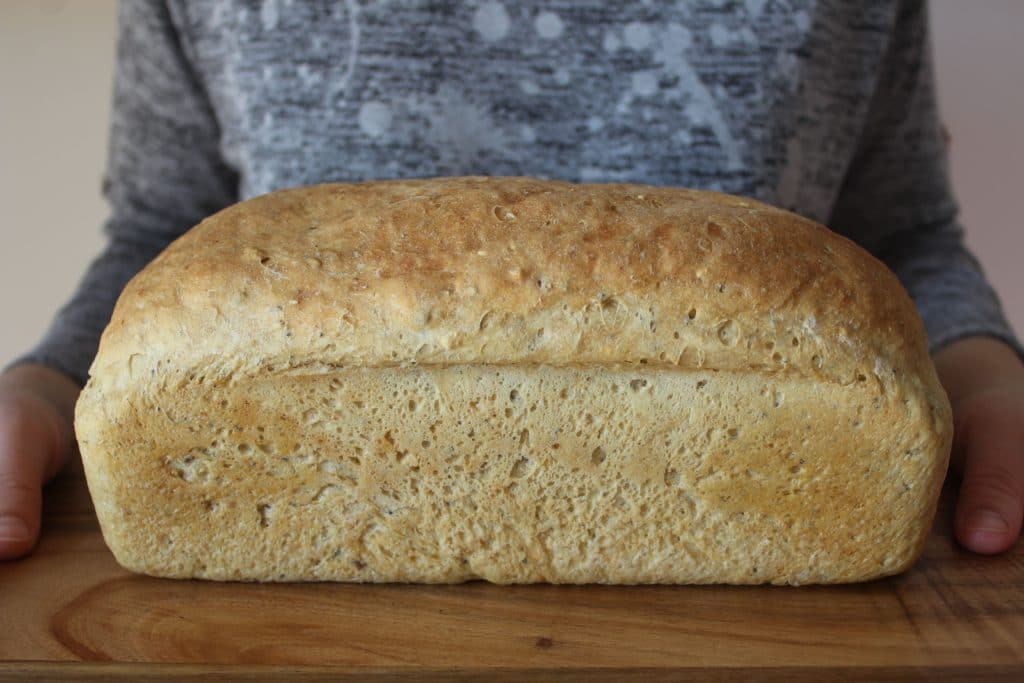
(515, 380)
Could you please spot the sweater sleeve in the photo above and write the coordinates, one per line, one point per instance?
(897, 201)
(164, 174)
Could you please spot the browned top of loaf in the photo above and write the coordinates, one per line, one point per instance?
(511, 270)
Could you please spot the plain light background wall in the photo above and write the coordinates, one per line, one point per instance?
(56, 60)
(978, 57)
(56, 70)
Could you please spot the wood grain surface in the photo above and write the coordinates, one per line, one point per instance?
(70, 612)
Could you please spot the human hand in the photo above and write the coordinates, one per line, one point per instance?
(36, 439)
(985, 382)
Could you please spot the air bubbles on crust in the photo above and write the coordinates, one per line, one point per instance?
(329, 467)
(252, 254)
(692, 357)
(191, 467)
(728, 333)
(264, 510)
(325, 491)
(485, 320)
(135, 363)
(520, 469)
(503, 214)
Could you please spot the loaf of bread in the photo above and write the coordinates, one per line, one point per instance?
(514, 380)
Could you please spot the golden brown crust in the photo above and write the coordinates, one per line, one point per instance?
(512, 270)
(532, 276)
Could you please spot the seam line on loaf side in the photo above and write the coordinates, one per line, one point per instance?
(320, 367)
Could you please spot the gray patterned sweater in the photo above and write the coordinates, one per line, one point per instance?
(823, 107)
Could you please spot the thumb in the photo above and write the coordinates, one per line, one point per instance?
(30, 451)
(991, 500)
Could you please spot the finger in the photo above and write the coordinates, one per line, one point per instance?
(26, 446)
(991, 501)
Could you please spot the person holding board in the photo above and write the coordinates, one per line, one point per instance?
(825, 110)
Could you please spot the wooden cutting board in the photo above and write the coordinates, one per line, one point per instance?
(70, 612)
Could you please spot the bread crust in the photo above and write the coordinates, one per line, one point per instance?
(527, 275)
